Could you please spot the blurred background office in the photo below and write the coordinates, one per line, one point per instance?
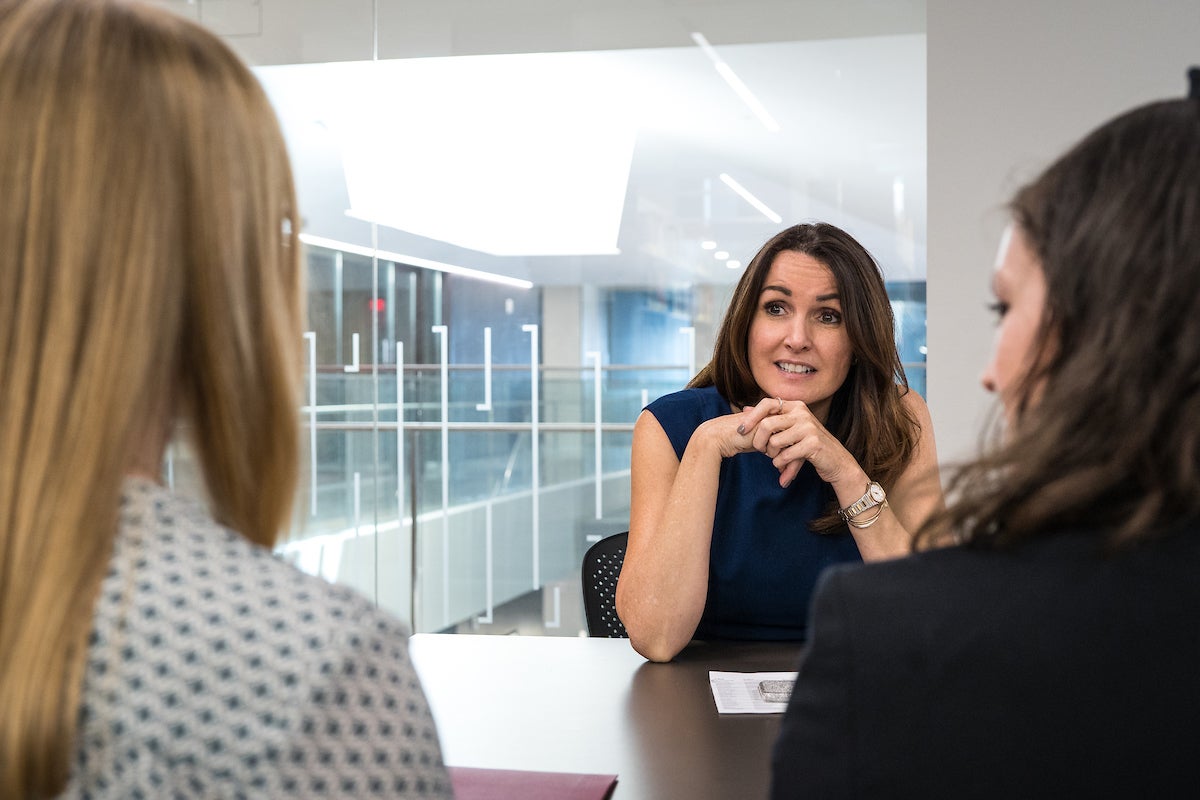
(524, 219)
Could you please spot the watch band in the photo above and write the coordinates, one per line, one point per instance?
(874, 496)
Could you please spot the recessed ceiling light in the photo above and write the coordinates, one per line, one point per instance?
(709, 244)
(733, 264)
(720, 255)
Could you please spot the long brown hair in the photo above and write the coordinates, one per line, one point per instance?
(867, 414)
(149, 265)
(1112, 443)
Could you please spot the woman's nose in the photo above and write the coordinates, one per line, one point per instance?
(797, 336)
(988, 378)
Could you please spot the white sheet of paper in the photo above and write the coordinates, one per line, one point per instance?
(737, 692)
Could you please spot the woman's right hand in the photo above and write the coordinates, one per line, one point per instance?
(726, 435)
(791, 435)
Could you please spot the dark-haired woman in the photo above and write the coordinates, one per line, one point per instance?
(798, 446)
(1054, 652)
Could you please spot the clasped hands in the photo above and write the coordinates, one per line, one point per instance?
(789, 434)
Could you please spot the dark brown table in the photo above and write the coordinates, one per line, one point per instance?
(556, 704)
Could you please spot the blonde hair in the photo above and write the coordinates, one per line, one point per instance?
(149, 269)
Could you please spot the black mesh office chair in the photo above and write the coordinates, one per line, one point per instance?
(601, 566)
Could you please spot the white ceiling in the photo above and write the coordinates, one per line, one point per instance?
(845, 81)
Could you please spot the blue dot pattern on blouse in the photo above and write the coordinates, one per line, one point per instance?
(764, 561)
(216, 670)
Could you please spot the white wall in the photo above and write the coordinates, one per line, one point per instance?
(1011, 85)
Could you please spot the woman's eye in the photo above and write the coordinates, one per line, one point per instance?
(774, 308)
(999, 308)
(829, 317)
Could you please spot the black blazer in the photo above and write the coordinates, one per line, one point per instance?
(1051, 671)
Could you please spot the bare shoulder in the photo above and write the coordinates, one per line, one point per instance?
(922, 470)
(914, 402)
(650, 441)
(646, 419)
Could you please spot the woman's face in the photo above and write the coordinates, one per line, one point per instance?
(798, 346)
(1020, 289)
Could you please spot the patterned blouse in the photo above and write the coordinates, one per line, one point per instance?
(216, 670)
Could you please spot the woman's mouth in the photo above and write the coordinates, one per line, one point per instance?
(795, 369)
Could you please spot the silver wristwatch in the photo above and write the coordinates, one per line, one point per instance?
(874, 496)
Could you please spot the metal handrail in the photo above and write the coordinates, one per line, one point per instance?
(504, 427)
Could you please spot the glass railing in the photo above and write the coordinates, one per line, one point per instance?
(502, 500)
(465, 505)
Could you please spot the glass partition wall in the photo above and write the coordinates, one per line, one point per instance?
(523, 221)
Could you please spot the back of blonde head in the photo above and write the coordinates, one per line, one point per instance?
(148, 271)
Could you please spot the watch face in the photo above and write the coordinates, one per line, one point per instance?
(877, 493)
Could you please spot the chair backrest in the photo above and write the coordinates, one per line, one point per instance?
(601, 567)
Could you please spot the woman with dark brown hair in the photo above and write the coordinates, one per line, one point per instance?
(1054, 652)
(798, 446)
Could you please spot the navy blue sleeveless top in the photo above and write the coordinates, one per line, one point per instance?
(764, 560)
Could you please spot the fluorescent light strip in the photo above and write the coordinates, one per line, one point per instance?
(743, 91)
(744, 193)
(414, 261)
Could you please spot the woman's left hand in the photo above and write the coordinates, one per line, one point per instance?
(789, 434)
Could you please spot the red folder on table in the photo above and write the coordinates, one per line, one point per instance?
(471, 783)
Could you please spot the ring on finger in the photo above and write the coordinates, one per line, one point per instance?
(780, 401)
